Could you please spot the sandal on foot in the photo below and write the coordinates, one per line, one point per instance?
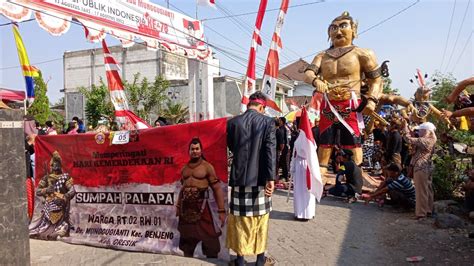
(269, 261)
(351, 200)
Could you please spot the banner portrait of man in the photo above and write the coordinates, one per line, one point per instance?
(197, 222)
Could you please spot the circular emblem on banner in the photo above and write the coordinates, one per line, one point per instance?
(100, 138)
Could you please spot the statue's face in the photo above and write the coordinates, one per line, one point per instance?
(56, 167)
(341, 33)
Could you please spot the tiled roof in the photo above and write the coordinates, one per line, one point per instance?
(298, 100)
(294, 71)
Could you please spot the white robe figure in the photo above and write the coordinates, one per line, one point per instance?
(304, 201)
(307, 183)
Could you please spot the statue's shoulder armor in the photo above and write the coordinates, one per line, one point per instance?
(365, 52)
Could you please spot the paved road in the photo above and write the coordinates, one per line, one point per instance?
(341, 234)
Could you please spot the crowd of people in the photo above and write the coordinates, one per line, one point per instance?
(399, 155)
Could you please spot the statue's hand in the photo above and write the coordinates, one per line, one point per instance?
(320, 86)
(369, 108)
(411, 108)
(447, 113)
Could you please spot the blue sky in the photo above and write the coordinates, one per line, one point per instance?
(416, 38)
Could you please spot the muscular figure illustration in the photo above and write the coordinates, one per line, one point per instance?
(196, 219)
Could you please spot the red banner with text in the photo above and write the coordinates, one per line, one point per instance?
(164, 191)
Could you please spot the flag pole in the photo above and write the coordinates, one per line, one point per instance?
(196, 9)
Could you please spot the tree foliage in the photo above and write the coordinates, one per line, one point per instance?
(58, 121)
(176, 113)
(448, 174)
(387, 87)
(40, 107)
(98, 103)
(449, 168)
(145, 97)
(446, 85)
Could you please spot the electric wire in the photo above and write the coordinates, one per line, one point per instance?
(10, 23)
(220, 34)
(457, 37)
(449, 33)
(366, 30)
(268, 10)
(462, 52)
(264, 37)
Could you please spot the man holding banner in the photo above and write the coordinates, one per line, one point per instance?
(196, 221)
(251, 139)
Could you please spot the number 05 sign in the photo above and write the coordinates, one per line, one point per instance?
(121, 137)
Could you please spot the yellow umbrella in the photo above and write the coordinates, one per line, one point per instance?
(291, 116)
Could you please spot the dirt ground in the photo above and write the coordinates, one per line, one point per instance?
(340, 234)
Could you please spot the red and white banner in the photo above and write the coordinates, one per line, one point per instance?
(249, 83)
(126, 196)
(11, 95)
(211, 3)
(126, 20)
(270, 76)
(127, 119)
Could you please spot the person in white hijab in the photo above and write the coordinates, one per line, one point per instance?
(422, 167)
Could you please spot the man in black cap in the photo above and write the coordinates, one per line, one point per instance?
(251, 139)
(282, 148)
(353, 177)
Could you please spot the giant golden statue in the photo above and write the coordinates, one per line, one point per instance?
(338, 73)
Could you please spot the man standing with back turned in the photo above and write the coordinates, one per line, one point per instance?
(251, 139)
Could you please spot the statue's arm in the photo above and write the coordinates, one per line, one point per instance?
(312, 70)
(464, 112)
(451, 98)
(312, 74)
(373, 73)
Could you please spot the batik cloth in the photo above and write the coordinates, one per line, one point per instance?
(249, 201)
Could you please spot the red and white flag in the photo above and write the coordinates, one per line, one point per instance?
(211, 3)
(249, 83)
(315, 105)
(123, 115)
(270, 77)
(293, 105)
(305, 147)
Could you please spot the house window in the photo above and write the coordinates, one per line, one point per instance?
(278, 99)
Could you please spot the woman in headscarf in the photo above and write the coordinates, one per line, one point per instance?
(422, 166)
